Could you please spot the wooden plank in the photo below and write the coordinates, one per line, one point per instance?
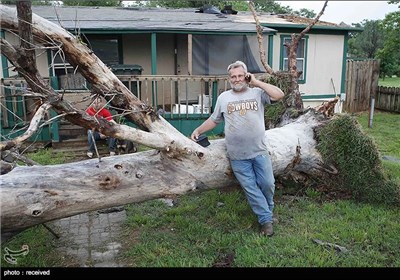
(389, 99)
(4, 111)
(190, 54)
(361, 84)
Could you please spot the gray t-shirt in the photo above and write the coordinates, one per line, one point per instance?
(243, 114)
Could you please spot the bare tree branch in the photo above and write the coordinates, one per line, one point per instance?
(308, 28)
(294, 100)
(33, 127)
(260, 39)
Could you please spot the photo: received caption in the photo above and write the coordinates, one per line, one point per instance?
(24, 272)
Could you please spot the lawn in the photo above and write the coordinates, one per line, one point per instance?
(389, 82)
(217, 227)
(385, 131)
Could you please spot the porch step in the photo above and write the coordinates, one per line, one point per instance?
(75, 149)
(77, 144)
(71, 143)
(70, 131)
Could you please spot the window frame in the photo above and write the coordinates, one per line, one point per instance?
(100, 37)
(283, 56)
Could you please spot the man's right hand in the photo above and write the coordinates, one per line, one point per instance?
(195, 135)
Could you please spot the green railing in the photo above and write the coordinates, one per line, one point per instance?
(18, 106)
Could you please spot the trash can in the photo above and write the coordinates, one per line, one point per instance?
(128, 70)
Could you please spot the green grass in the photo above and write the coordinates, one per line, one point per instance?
(42, 252)
(205, 229)
(47, 157)
(385, 131)
(389, 82)
(217, 227)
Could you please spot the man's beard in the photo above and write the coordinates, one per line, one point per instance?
(238, 87)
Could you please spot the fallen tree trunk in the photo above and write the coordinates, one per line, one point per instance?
(34, 195)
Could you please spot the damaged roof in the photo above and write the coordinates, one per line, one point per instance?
(128, 19)
(143, 19)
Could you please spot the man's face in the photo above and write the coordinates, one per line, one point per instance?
(237, 79)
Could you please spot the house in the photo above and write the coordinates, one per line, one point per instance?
(176, 59)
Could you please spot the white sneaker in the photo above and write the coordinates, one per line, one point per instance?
(112, 154)
(89, 154)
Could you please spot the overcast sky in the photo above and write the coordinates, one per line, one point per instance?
(346, 11)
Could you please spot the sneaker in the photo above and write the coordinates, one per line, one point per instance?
(267, 229)
(89, 154)
(112, 154)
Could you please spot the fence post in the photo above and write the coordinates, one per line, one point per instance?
(371, 112)
(374, 88)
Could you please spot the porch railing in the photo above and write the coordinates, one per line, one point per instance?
(17, 107)
(176, 98)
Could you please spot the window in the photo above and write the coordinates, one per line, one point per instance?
(68, 78)
(59, 65)
(300, 56)
(106, 47)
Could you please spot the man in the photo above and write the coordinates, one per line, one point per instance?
(97, 109)
(242, 109)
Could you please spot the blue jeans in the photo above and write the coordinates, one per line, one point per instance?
(257, 180)
(111, 142)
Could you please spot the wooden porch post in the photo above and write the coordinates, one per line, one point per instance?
(190, 55)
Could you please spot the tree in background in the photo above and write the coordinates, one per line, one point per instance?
(305, 13)
(34, 3)
(367, 43)
(389, 53)
(92, 3)
(271, 7)
(237, 5)
(379, 40)
(268, 6)
(394, 2)
(181, 3)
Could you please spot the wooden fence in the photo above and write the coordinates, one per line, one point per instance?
(361, 84)
(388, 99)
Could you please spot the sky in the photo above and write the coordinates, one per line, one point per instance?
(346, 11)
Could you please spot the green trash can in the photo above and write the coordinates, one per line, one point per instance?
(130, 70)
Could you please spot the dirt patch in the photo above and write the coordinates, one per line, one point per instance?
(224, 259)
